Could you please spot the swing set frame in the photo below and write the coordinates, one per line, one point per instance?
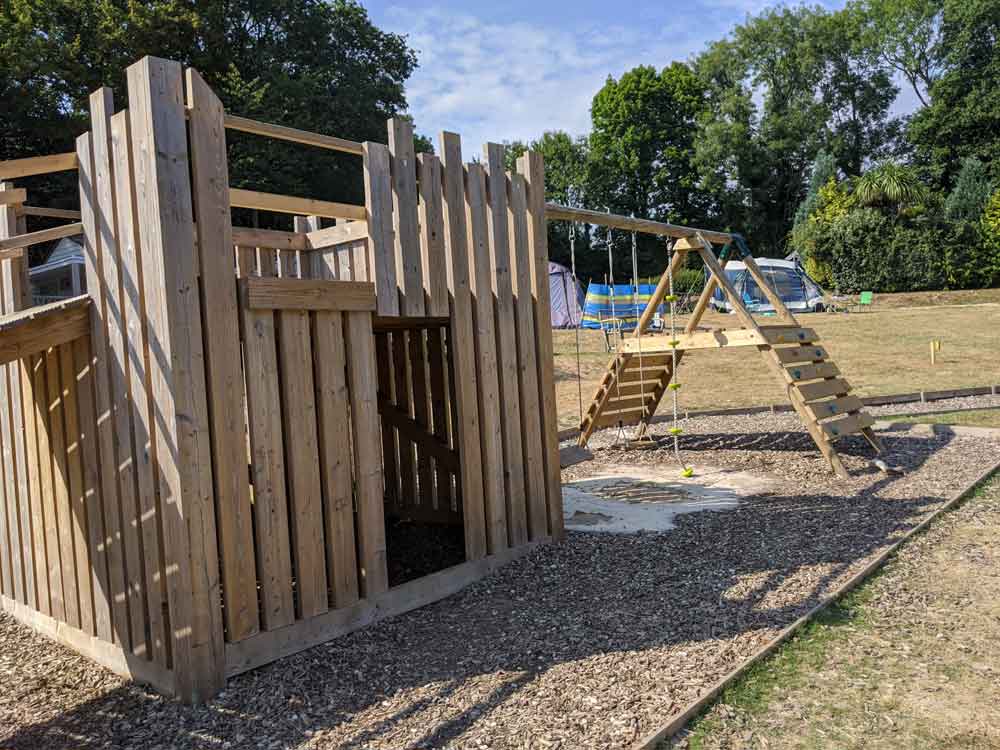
(643, 369)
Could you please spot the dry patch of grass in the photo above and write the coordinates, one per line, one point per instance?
(880, 352)
(907, 661)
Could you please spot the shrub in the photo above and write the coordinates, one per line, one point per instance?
(972, 191)
(990, 233)
(689, 279)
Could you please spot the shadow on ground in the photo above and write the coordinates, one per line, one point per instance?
(427, 678)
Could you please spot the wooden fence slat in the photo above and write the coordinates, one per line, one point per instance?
(386, 382)
(298, 410)
(500, 252)
(101, 108)
(173, 310)
(87, 421)
(361, 378)
(77, 510)
(439, 410)
(335, 455)
(403, 170)
(35, 537)
(96, 288)
(50, 545)
(461, 344)
(533, 169)
(491, 438)
(403, 400)
(378, 199)
(147, 525)
(8, 490)
(432, 236)
(209, 170)
(62, 526)
(15, 292)
(421, 414)
(527, 362)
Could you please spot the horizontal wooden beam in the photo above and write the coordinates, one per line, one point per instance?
(52, 213)
(294, 135)
(13, 247)
(413, 431)
(13, 196)
(14, 168)
(307, 294)
(287, 204)
(38, 328)
(250, 237)
(720, 339)
(349, 231)
(555, 212)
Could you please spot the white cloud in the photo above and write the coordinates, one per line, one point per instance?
(512, 80)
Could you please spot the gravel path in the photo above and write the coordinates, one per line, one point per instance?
(587, 644)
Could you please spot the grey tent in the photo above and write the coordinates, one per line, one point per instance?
(566, 297)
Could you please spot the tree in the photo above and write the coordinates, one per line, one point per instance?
(972, 189)
(963, 118)
(889, 185)
(907, 37)
(824, 169)
(316, 65)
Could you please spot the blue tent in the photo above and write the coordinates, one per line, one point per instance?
(618, 307)
(796, 289)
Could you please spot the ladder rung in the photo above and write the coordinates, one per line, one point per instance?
(812, 372)
(789, 354)
(822, 389)
(849, 425)
(835, 407)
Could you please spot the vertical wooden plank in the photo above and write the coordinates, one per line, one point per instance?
(491, 433)
(533, 169)
(97, 289)
(330, 357)
(361, 379)
(403, 169)
(87, 419)
(101, 108)
(403, 400)
(210, 176)
(148, 521)
(270, 505)
(378, 200)
(15, 293)
(432, 236)
(462, 345)
(8, 481)
(439, 410)
(298, 409)
(173, 309)
(421, 414)
(49, 550)
(499, 250)
(76, 509)
(527, 361)
(390, 459)
(61, 532)
(35, 536)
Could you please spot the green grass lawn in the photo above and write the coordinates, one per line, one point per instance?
(971, 418)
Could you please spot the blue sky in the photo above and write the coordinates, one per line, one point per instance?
(511, 69)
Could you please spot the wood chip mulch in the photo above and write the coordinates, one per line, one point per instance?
(591, 643)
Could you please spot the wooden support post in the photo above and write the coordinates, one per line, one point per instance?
(462, 345)
(180, 403)
(378, 199)
(533, 169)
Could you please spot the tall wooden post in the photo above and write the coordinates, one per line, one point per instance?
(177, 374)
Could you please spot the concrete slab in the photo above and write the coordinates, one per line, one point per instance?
(627, 499)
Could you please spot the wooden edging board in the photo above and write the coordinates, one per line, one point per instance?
(887, 400)
(680, 719)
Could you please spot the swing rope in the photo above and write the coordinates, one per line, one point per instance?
(635, 302)
(620, 436)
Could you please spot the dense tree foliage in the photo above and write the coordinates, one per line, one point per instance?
(312, 64)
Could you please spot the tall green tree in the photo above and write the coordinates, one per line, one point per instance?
(963, 118)
(313, 64)
(642, 152)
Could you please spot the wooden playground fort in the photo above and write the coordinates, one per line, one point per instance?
(199, 455)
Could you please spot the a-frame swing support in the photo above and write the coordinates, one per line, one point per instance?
(640, 372)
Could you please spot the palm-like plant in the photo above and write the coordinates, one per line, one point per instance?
(889, 184)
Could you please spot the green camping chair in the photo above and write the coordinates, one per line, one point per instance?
(865, 300)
